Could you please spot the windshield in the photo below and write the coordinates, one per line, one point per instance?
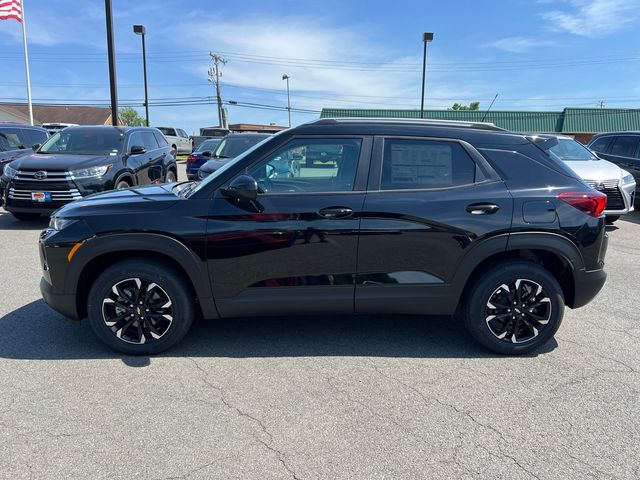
(85, 141)
(208, 145)
(233, 146)
(571, 150)
(225, 167)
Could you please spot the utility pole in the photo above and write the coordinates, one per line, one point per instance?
(601, 104)
(286, 77)
(111, 52)
(215, 73)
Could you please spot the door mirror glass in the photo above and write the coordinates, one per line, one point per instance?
(243, 187)
(206, 154)
(35, 146)
(136, 150)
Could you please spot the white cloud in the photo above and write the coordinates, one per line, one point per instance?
(594, 18)
(520, 44)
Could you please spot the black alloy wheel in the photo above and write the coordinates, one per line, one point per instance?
(137, 311)
(518, 311)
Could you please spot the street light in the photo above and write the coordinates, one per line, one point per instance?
(140, 30)
(286, 77)
(426, 38)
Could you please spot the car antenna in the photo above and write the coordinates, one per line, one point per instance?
(485, 113)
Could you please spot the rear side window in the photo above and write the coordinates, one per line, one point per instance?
(423, 164)
(149, 140)
(600, 145)
(34, 136)
(625, 146)
(160, 139)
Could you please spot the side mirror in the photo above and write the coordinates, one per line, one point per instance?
(243, 187)
(206, 154)
(136, 150)
(35, 146)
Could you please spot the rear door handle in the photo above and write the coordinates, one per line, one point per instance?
(482, 208)
(335, 212)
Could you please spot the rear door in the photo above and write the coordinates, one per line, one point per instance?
(429, 202)
(292, 250)
(623, 151)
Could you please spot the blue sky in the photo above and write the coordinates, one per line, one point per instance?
(537, 55)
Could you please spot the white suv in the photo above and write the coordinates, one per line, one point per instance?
(178, 139)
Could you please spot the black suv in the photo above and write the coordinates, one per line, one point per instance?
(621, 148)
(17, 140)
(78, 161)
(405, 217)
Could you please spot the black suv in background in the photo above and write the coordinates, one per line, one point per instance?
(78, 161)
(404, 217)
(621, 148)
(17, 140)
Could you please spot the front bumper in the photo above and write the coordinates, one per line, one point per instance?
(62, 303)
(627, 193)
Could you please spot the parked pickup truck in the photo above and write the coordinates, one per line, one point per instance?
(178, 139)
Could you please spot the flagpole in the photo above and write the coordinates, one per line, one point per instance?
(26, 62)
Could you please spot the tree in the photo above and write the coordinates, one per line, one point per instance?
(131, 117)
(471, 106)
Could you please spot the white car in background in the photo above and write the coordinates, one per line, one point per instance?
(617, 184)
(178, 139)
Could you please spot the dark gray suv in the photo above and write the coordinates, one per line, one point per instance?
(621, 148)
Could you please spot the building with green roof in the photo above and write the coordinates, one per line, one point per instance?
(581, 123)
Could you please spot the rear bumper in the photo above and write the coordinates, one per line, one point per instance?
(588, 285)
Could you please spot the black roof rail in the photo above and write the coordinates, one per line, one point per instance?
(427, 122)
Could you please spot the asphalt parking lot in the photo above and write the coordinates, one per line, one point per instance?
(311, 398)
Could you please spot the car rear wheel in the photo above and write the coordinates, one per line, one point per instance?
(25, 216)
(140, 307)
(514, 307)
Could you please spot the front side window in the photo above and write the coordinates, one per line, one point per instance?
(85, 141)
(423, 164)
(310, 165)
(625, 146)
(600, 145)
(13, 139)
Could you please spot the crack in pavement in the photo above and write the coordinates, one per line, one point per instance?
(269, 445)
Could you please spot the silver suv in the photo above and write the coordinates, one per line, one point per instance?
(618, 184)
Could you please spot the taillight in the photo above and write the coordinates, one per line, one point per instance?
(592, 203)
(192, 158)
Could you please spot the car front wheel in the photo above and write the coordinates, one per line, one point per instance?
(514, 307)
(140, 307)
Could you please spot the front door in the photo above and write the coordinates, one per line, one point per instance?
(292, 250)
(429, 202)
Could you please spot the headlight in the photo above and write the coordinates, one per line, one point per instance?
(627, 178)
(58, 223)
(9, 172)
(90, 172)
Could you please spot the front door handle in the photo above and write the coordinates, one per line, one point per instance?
(482, 208)
(335, 212)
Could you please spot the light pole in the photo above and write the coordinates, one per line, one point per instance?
(286, 77)
(426, 38)
(140, 30)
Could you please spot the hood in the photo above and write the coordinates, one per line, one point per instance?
(213, 165)
(9, 155)
(595, 169)
(150, 198)
(59, 161)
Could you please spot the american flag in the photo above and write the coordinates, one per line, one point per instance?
(11, 9)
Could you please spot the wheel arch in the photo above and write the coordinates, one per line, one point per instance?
(100, 252)
(554, 252)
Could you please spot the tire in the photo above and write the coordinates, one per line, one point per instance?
(171, 177)
(612, 218)
(485, 324)
(25, 216)
(168, 297)
(122, 183)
